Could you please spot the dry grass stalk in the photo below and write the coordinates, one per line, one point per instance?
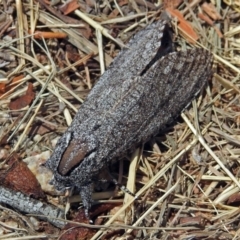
(191, 171)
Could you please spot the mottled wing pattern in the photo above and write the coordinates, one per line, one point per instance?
(145, 88)
(127, 65)
(144, 105)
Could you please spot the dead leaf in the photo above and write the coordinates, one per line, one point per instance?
(184, 26)
(69, 7)
(24, 100)
(41, 128)
(18, 177)
(83, 233)
(210, 9)
(4, 88)
(235, 198)
(171, 3)
(113, 14)
(206, 19)
(3, 139)
(72, 53)
(85, 30)
(66, 82)
(115, 11)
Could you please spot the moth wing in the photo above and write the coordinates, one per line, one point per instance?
(155, 99)
(153, 39)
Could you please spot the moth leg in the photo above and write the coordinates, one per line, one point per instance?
(86, 195)
(113, 180)
(123, 188)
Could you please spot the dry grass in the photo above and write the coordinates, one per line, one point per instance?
(187, 179)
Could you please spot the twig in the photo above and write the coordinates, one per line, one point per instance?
(29, 205)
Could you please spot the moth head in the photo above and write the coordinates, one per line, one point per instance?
(70, 151)
(73, 155)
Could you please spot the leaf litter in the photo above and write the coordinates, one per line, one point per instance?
(186, 178)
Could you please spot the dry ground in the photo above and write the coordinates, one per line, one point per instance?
(186, 179)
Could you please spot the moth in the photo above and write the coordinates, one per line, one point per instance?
(145, 88)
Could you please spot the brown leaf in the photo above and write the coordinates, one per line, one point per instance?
(85, 30)
(2, 88)
(234, 198)
(206, 19)
(41, 128)
(171, 3)
(18, 177)
(72, 53)
(210, 9)
(185, 27)
(115, 11)
(4, 138)
(24, 100)
(83, 233)
(69, 7)
(7, 87)
(66, 82)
